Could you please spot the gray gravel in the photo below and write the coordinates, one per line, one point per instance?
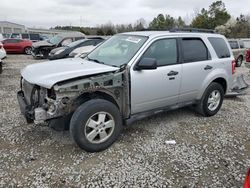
(209, 152)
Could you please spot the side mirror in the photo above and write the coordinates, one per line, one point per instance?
(146, 64)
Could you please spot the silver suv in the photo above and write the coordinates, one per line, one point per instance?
(127, 78)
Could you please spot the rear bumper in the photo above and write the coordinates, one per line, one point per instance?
(25, 108)
(239, 87)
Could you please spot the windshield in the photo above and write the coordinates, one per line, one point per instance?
(55, 40)
(73, 44)
(118, 50)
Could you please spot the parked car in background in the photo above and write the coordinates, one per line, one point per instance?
(239, 50)
(42, 49)
(129, 77)
(2, 51)
(2, 55)
(247, 180)
(64, 51)
(81, 51)
(29, 36)
(17, 46)
(246, 42)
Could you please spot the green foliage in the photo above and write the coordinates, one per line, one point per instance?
(162, 22)
(110, 32)
(100, 32)
(209, 19)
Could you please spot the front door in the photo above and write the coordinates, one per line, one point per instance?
(152, 89)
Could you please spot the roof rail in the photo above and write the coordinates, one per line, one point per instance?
(192, 30)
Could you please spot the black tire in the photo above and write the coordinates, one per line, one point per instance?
(27, 50)
(61, 124)
(239, 61)
(45, 54)
(203, 106)
(84, 113)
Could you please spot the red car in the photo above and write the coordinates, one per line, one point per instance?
(248, 56)
(17, 46)
(247, 180)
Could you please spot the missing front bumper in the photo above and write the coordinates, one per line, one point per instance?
(25, 108)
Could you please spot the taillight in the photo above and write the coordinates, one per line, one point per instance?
(247, 180)
(233, 66)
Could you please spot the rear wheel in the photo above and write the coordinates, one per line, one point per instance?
(27, 50)
(96, 125)
(211, 100)
(239, 61)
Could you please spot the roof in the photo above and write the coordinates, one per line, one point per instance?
(153, 34)
(71, 34)
(6, 22)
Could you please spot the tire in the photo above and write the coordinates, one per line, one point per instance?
(239, 61)
(96, 125)
(45, 54)
(215, 94)
(27, 50)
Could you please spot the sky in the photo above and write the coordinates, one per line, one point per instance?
(50, 13)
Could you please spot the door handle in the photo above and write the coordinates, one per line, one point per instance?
(172, 73)
(208, 67)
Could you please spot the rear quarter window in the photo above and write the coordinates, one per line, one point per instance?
(194, 50)
(220, 47)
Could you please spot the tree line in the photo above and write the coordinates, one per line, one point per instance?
(215, 17)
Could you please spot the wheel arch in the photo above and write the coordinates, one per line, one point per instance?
(220, 78)
(106, 95)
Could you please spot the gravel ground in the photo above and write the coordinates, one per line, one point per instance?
(209, 152)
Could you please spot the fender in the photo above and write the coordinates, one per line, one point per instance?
(213, 75)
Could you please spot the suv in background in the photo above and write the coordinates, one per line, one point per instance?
(238, 49)
(43, 48)
(128, 77)
(28, 36)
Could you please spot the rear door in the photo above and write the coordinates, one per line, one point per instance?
(152, 89)
(197, 64)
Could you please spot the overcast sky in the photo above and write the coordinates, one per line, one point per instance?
(49, 13)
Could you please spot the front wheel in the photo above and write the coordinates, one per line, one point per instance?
(27, 50)
(96, 125)
(211, 100)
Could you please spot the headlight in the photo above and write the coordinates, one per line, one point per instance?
(59, 51)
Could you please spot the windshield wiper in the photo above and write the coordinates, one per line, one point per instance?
(95, 60)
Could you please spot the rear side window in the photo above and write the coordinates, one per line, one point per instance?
(34, 37)
(234, 44)
(194, 50)
(241, 44)
(220, 47)
(25, 36)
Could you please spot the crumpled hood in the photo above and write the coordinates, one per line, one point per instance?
(41, 43)
(49, 73)
(57, 49)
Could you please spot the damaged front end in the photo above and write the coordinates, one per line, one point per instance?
(40, 104)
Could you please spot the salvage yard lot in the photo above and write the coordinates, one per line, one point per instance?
(212, 152)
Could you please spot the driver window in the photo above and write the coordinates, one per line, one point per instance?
(164, 51)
